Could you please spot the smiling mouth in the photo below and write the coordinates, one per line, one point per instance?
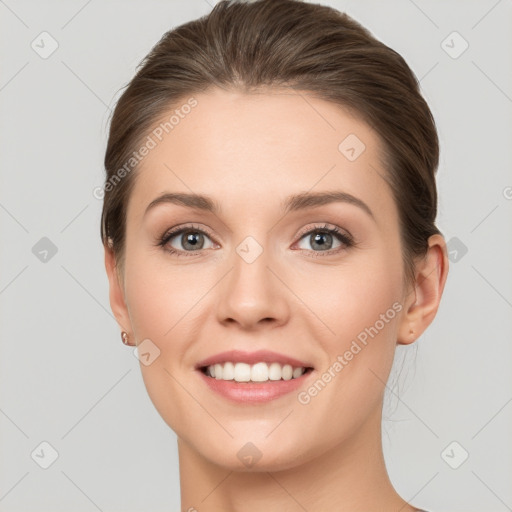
(243, 373)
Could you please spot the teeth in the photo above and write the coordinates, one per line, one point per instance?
(259, 372)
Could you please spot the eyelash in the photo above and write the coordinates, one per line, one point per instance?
(345, 239)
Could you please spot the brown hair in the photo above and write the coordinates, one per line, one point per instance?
(314, 48)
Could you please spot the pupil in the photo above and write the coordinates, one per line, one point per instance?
(318, 237)
(192, 239)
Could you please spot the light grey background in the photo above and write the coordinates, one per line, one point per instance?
(66, 378)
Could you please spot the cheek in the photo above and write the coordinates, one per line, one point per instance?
(160, 296)
(161, 301)
(351, 296)
(360, 306)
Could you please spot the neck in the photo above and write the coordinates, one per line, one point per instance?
(348, 477)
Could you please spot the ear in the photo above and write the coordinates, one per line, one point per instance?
(422, 302)
(116, 293)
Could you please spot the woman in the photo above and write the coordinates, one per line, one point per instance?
(269, 232)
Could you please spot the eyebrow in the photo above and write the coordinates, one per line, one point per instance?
(295, 202)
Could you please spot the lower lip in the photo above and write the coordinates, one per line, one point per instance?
(254, 391)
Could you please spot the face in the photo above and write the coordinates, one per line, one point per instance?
(319, 281)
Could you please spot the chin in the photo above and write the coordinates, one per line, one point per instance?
(254, 457)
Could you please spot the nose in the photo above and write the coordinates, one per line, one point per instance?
(251, 295)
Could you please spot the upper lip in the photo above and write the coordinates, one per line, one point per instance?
(240, 356)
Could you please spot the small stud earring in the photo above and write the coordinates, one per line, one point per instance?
(124, 337)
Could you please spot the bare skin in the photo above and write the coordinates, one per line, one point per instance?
(249, 152)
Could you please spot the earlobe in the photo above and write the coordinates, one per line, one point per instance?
(423, 302)
(116, 292)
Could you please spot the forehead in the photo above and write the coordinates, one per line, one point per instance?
(271, 143)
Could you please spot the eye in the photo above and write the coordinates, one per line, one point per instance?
(324, 238)
(188, 239)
